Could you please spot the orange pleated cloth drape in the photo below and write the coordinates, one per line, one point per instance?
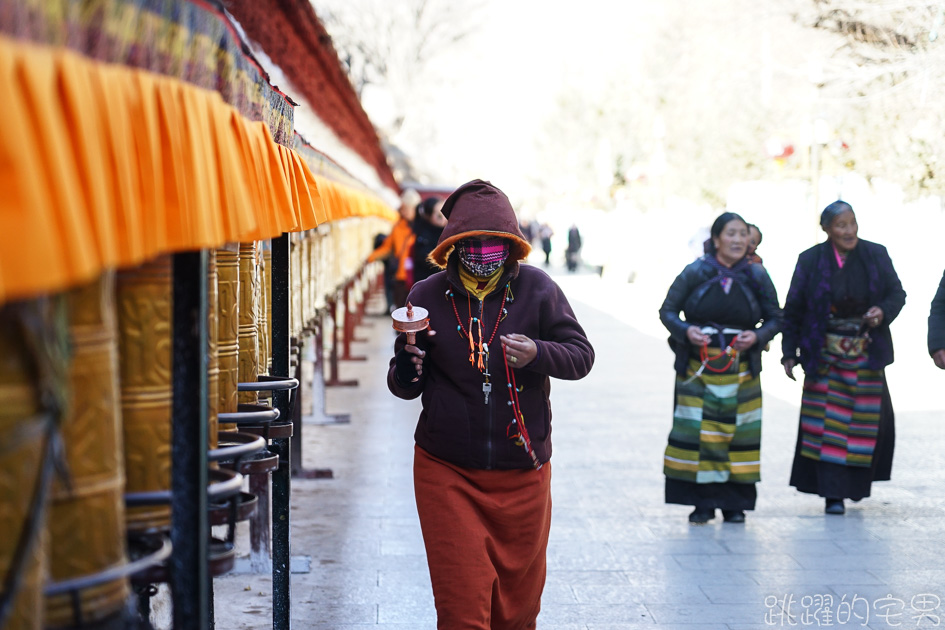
(105, 166)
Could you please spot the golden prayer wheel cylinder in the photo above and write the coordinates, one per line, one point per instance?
(248, 315)
(144, 323)
(87, 517)
(21, 457)
(228, 347)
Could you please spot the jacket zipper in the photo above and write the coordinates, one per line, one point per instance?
(490, 426)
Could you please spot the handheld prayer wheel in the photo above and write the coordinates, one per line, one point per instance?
(21, 462)
(87, 515)
(144, 327)
(411, 319)
(248, 314)
(228, 346)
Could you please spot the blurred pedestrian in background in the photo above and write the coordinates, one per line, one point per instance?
(844, 295)
(713, 458)
(528, 230)
(573, 252)
(427, 228)
(937, 326)
(485, 423)
(545, 233)
(397, 245)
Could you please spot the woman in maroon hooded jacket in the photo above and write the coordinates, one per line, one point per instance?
(483, 440)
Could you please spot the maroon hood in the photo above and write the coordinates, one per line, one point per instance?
(478, 208)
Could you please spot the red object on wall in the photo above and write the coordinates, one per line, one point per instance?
(293, 37)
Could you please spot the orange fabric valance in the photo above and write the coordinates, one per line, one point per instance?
(106, 166)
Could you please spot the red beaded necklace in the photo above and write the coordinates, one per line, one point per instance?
(478, 321)
(516, 429)
(521, 436)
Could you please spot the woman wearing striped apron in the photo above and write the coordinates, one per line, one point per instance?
(843, 296)
(713, 458)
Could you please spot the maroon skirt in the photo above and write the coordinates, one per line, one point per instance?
(485, 533)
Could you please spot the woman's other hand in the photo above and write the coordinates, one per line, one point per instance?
(745, 340)
(696, 336)
(519, 349)
(789, 368)
(939, 358)
(874, 316)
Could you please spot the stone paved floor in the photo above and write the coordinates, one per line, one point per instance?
(618, 558)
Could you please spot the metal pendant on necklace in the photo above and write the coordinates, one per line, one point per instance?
(486, 386)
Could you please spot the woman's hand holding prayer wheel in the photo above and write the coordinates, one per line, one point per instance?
(409, 364)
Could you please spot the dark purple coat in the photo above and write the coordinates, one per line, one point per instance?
(808, 304)
(456, 424)
(937, 319)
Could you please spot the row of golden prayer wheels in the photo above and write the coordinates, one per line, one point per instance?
(86, 409)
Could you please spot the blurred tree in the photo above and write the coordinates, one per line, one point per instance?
(391, 47)
(885, 77)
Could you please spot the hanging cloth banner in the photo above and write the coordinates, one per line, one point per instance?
(106, 166)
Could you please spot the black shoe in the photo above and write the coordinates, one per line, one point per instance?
(701, 516)
(733, 516)
(835, 506)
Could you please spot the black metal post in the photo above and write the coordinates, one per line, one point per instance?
(190, 530)
(282, 477)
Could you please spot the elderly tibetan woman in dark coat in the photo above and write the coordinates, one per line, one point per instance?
(731, 312)
(483, 441)
(844, 295)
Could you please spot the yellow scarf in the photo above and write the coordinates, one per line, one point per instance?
(480, 287)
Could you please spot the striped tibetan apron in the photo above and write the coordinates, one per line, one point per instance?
(840, 404)
(716, 435)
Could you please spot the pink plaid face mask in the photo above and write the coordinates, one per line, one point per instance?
(481, 257)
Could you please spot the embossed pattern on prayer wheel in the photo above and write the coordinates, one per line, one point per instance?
(248, 316)
(213, 358)
(267, 258)
(264, 314)
(21, 456)
(228, 346)
(305, 284)
(144, 324)
(87, 518)
(296, 286)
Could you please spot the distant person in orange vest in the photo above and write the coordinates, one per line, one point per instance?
(398, 246)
